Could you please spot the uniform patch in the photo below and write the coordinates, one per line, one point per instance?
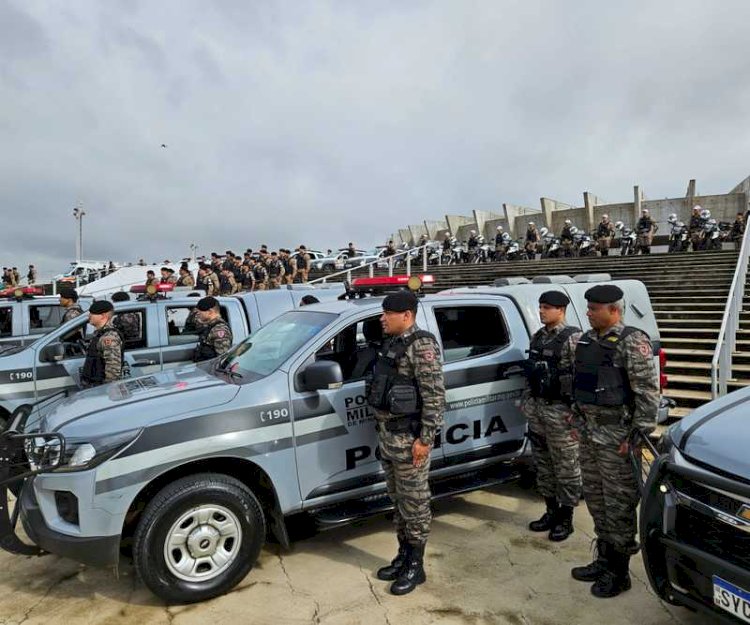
(428, 356)
(107, 341)
(644, 349)
(220, 333)
(613, 339)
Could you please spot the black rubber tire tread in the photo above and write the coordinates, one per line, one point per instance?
(168, 504)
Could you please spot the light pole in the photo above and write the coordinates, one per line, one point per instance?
(193, 251)
(78, 214)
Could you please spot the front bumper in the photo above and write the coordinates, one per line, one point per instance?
(689, 534)
(91, 550)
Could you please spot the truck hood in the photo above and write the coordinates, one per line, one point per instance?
(137, 402)
(718, 434)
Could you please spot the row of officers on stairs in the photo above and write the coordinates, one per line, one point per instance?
(587, 392)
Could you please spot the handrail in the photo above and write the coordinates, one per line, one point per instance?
(721, 363)
(371, 265)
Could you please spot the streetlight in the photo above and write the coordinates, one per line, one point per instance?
(78, 214)
(193, 251)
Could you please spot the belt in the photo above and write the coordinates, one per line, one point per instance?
(401, 425)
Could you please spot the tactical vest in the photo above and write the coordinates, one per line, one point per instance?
(531, 236)
(301, 262)
(259, 273)
(391, 391)
(565, 235)
(274, 269)
(603, 230)
(204, 350)
(598, 381)
(287, 266)
(92, 372)
(543, 365)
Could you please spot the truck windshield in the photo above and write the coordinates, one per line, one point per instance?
(264, 351)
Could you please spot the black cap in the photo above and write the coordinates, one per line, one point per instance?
(68, 293)
(400, 301)
(554, 298)
(207, 303)
(184, 266)
(101, 306)
(120, 296)
(604, 294)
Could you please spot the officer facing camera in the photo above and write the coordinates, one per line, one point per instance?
(546, 405)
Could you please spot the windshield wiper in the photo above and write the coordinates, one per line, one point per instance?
(223, 367)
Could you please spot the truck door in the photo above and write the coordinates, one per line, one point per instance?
(138, 325)
(41, 319)
(336, 442)
(483, 345)
(7, 329)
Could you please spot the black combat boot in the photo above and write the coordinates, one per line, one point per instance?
(592, 572)
(412, 573)
(546, 522)
(617, 577)
(562, 524)
(390, 572)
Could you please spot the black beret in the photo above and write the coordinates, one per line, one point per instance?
(400, 301)
(101, 306)
(554, 298)
(207, 303)
(68, 293)
(120, 296)
(604, 294)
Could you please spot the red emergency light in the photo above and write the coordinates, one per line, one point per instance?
(394, 281)
(20, 292)
(161, 287)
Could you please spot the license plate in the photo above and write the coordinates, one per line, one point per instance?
(732, 599)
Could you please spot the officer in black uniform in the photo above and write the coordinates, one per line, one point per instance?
(215, 334)
(104, 360)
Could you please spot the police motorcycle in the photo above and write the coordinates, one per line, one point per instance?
(712, 235)
(459, 253)
(502, 254)
(586, 245)
(434, 253)
(679, 240)
(482, 251)
(551, 245)
(516, 250)
(446, 254)
(627, 239)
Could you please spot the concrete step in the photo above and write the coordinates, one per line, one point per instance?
(686, 394)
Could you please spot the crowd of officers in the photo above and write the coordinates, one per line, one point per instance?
(12, 278)
(587, 393)
(234, 273)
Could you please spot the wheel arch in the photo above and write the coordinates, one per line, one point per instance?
(247, 472)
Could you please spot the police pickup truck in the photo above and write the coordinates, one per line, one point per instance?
(695, 512)
(27, 314)
(29, 372)
(196, 464)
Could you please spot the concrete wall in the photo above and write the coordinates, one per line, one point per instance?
(617, 212)
(405, 235)
(434, 227)
(490, 228)
(455, 222)
(576, 215)
(417, 231)
(522, 223)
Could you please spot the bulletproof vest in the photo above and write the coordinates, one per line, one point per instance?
(565, 234)
(498, 239)
(543, 365)
(202, 283)
(274, 269)
(92, 372)
(287, 265)
(598, 381)
(446, 246)
(260, 273)
(473, 242)
(603, 230)
(301, 262)
(696, 222)
(237, 273)
(531, 235)
(247, 280)
(389, 390)
(645, 223)
(224, 285)
(204, 350)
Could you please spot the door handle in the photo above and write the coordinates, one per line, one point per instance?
(143, 363)
(513, 371)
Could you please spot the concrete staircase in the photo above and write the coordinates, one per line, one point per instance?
(688, 293)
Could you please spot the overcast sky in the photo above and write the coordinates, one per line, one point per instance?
(324, 122)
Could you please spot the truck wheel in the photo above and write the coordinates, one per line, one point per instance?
(198, 538)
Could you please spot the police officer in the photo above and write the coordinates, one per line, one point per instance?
(605, 231)
(287, 264)
(546, 404)
(407, 393)
(186, 278)
(248, 280)
(566, 238)
(645, 228)
(167, 276)
(303, 264)
(31, 276)
(616, 391)
(227, 283)
(501, 244)
(215, 334)
(151, 279)
(275, 271)
(695, 228)
(69, 302)
(104, 359)
(735, 234)
(127, 323)
(260, 276)
(533, 237)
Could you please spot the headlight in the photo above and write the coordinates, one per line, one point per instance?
(87, 454)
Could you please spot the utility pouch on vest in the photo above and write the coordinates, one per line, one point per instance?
(403, 400)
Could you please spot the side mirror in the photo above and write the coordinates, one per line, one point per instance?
(54, 352)
(322, 375)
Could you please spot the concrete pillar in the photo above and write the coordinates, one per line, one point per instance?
(434, 227)
(482, 218)
(512, 211)
(456, 221)
(637, 202)
(405, 235)
(589, 201)
(690, 197)
(549, 205)
(417, 230)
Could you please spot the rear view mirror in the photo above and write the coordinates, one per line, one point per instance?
(323, 375)
(53, 352)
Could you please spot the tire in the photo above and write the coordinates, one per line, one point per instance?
(220, 500)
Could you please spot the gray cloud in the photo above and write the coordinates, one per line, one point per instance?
(331, 121)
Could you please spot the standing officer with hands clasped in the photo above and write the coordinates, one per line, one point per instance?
(104, 359)
(616, 391)
(407, 392)
(546, 405)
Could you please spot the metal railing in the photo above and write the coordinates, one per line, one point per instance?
(391, 264)
(721, 363)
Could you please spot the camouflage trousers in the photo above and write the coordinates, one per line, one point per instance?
(610, 489)
(554, 451)
(408, 486)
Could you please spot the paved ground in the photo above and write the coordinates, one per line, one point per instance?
(483, 567)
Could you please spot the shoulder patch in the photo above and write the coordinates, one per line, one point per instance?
(644, 349)
(107, 341)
